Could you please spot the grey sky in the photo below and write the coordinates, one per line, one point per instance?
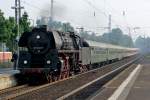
(81, 13)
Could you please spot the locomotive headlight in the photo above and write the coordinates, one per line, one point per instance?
(38, 37)
(48, 62)
(25, 61)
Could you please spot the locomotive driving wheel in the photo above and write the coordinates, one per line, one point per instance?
(49, 78)
(83, 68)
(52, 77)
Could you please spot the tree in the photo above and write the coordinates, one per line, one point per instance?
(3, 28)
(115, 37)
(24, 23)
(127, 41)
(67, 27)
(8, 29)
(12, 30)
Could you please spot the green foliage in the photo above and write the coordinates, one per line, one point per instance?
(3, 28)
(92, 37)
(24, 23)
(8, 29)
(6, 64)
(115, 37)
(12, 32)
(67, 27)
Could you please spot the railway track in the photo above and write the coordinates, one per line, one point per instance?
(58, 89)
(86, 90)
(14, 91)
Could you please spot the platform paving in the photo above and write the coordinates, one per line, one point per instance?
(107, 90)
(141, 88)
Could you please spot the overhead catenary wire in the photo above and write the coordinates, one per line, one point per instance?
(33, 6)
(95, 10)
(93, 6)
(36, 7)
(102, 12)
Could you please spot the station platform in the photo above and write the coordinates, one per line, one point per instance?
(10, 71)
(7, 78)
(141, 87)
(131, 84)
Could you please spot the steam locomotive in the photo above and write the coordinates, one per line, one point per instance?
(58, 55)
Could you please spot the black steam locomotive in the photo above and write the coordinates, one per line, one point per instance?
(49, 53)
